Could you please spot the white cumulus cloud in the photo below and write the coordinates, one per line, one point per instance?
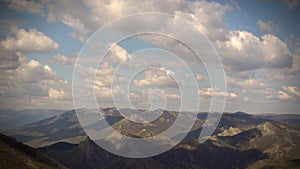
(29, 6)
(157, 77)
(244, 51)
(31, 41)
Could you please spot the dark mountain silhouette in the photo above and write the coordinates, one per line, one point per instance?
(89, 155)
(14, 154)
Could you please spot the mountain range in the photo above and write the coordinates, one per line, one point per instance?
(240, 140)
(14, 118)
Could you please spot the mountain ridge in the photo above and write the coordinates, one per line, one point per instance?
(14, 154)
(241, 140)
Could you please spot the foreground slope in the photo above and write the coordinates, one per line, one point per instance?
(14, 154)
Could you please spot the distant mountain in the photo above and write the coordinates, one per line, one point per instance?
(15, 155)
(13, 118)
(66, 127)
(229, 124)
(286, 118)
(63, 127)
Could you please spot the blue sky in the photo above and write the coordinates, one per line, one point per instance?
(258, 43)
(276, 11)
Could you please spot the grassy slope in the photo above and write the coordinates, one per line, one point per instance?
(14, 154)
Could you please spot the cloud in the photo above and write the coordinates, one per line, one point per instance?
(91, 15)
(80, 31)
(106, 93)
(88, 15)
(55, 94)
(247, 83)
(64, 59)
(280, 95)
(296, 63)
(251, 83)
(29, 6)
(206, 16)
(26, 83)
(288, 93)
(244, 51)
(172, 45)
(292, 89)
(254, 90)
(292, 3)
(172, 95)
(104, 76)
(247, 99)
(30, 72)
(102, 12)
(208, 92)
(156, 77)
(154, 98)
(209, 18)
(201, 77)
(269, 26)
(31, 41)
(10, 60)
(264, 89)
(157, 94)
(276, 53)
(118, 54)
(275, 75)
(31, 84)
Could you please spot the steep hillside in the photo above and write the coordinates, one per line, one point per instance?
(14, 154)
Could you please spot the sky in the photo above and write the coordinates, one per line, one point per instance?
(43, 43)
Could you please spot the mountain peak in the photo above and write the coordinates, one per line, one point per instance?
(87, 140)
(270, 128)
(240, 113)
